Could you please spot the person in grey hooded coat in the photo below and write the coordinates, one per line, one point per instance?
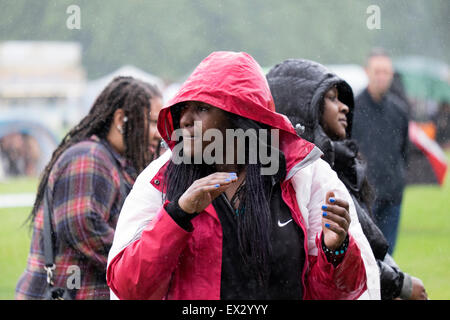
(320, 106)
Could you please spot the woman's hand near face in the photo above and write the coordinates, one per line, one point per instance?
(203, 191)
(335, 221)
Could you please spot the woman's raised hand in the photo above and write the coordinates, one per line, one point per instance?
(203, 191)
(335, 221)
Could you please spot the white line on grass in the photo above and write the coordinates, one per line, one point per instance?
(14, 200)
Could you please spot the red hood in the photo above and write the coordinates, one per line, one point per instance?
(235, 82)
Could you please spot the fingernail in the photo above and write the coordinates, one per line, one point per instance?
(332, 200)
(324, 207)
(324, 214)
(217, 185)
(327, 225)
(226, 180)
(233, 174)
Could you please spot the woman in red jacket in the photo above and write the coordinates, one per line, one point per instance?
(260, 219)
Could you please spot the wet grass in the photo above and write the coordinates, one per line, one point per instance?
(423, 248)
(14, 245)
(19, 185)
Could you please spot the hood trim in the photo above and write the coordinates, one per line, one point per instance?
(315, 154)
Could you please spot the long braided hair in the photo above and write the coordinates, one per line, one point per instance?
(254, 219)
(133, 97)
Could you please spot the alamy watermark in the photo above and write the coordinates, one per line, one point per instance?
(74, 19)
(374, 19)
(74, 279)
(242, 147)
(74, 276)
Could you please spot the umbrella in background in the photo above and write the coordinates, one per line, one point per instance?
(45, 138)
(432, 151)
(424, 78)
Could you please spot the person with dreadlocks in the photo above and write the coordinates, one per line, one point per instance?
(221, 227)
(85, 183)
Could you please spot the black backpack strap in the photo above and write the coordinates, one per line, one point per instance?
(48, 241)
(48, 230)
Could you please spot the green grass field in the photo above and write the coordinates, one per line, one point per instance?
(14, 236)
(423, 247)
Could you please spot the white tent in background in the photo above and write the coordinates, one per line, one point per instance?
(96, 86)
(353, 74)
(171, 90)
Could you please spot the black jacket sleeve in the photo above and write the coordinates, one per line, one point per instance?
(391, 280)
(182, 218)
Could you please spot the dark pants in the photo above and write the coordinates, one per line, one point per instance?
(387, 218)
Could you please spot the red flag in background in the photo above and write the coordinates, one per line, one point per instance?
(431, 149)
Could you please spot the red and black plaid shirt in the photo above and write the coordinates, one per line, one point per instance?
(86, 198)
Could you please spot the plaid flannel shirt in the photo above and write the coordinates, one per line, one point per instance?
(85, 194)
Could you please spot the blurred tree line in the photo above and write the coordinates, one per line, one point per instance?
(169, 38)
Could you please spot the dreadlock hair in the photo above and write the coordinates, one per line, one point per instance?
(133, 97)
(254, 218)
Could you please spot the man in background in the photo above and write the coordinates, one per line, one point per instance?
(380, 126)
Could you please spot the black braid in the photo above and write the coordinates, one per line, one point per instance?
(254, 225)
(133, 96)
